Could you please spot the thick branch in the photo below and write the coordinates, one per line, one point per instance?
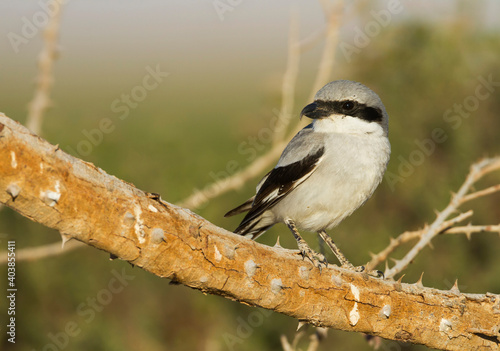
(45, 184)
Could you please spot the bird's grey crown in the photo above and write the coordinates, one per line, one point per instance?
(340, 90)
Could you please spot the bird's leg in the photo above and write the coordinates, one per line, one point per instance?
(317, 259)
(321, 245)
(344, 262)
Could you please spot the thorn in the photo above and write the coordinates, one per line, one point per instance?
(455, 288)
(419, 282)
(277, 243)
(386, 266)
(436, 212)
(430, 245)
(301, 324)
(468, 235)
(65, 238)
(372, 255)
(13, 190)
(393, 260)
(392, 241)
(397, 285)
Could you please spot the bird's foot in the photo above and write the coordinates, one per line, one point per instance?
(317, 259)
(361, 269)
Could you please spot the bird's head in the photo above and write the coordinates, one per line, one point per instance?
(345, 106)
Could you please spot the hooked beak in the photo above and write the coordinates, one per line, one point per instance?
(312, 111)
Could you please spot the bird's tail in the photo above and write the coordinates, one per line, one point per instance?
(252, 230)
(241, 208)
(249, 227)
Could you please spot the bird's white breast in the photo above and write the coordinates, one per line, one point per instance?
(352, 167)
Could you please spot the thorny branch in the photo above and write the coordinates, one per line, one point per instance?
(441, 224)
(79, 199)
(405, 237)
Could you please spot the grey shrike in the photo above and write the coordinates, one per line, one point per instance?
(328, 170)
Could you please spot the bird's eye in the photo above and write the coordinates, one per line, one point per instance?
(348, 105)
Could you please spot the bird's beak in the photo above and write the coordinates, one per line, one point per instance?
(311, 111)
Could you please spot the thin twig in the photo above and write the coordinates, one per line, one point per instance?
(477, 171)
(333, 15)
(314, 339)
(312, 40)
(41, 99)
(475, 195)
(285, 344)
(296, 338)
(314, 344)
(411, 235)
(289, 80)
(471, 229)
(451, 222)
(319, 335)
(39, 252)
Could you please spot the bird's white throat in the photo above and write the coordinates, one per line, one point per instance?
(347, 125)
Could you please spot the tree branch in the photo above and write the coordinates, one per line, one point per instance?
(80, 200)
(411, 235)
(43, 251)
(477, 171)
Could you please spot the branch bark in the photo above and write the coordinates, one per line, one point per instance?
(80, 200)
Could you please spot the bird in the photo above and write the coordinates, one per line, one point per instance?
(328, 170)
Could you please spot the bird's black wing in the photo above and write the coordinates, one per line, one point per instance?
(279, 182)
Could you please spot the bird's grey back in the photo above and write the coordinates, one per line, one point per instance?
(306, 142)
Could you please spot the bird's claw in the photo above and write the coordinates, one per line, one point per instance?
(318, 260)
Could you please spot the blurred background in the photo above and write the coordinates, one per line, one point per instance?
(215, 73)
